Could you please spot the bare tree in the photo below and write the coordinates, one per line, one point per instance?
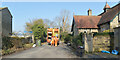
(49, 23)
(64, 20)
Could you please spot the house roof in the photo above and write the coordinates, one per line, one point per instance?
(86, 21)
(110, 14)
(2, 8)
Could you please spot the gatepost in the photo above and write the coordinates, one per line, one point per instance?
(88, 42)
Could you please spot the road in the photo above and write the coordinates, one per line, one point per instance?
(45, 51)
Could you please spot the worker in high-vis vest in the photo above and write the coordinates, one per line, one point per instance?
(52, 42)
(56, 40)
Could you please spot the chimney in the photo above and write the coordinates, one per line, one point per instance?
(89, 12)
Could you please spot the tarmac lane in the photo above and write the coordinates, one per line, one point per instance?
(50, 52)
(45, 51)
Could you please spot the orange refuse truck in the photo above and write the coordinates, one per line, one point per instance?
(53, 33)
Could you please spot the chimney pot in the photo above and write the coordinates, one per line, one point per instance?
(89, 12)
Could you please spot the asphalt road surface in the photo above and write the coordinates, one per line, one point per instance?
(45, 51)
(61, 51)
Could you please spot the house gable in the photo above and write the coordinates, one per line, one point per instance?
(114, 22)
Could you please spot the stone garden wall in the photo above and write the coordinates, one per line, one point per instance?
(117, 38)
(103, 42)
(94, 42)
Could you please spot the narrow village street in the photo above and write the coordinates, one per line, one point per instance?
(47, 51)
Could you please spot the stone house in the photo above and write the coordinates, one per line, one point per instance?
(5, 21)
(85, 23)
(110, 18)
(107, 20)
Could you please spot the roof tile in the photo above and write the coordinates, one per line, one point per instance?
(86, 21)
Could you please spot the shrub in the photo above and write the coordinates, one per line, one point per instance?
(43, 39)
(68, 38)
(77, 40)
(63, 35)
(104, 33)
(6, 43)
(17, 42)
(28, 45)
(8, 51)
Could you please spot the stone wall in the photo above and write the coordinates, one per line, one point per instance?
(88, 30)
(104, 27)
(103, 42)
(75, 30)
(114, 23)
(109, 26)
(117, 38)
(94, 42)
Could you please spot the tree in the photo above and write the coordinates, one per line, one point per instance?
(38, 31)
(49, 23)
(63, 21)
(37, 26)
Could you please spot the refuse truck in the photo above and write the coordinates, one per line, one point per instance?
(52, 32)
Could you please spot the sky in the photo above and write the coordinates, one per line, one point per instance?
(23, 12)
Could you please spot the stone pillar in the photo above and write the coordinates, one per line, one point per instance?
(88, 42)
(85, 43)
